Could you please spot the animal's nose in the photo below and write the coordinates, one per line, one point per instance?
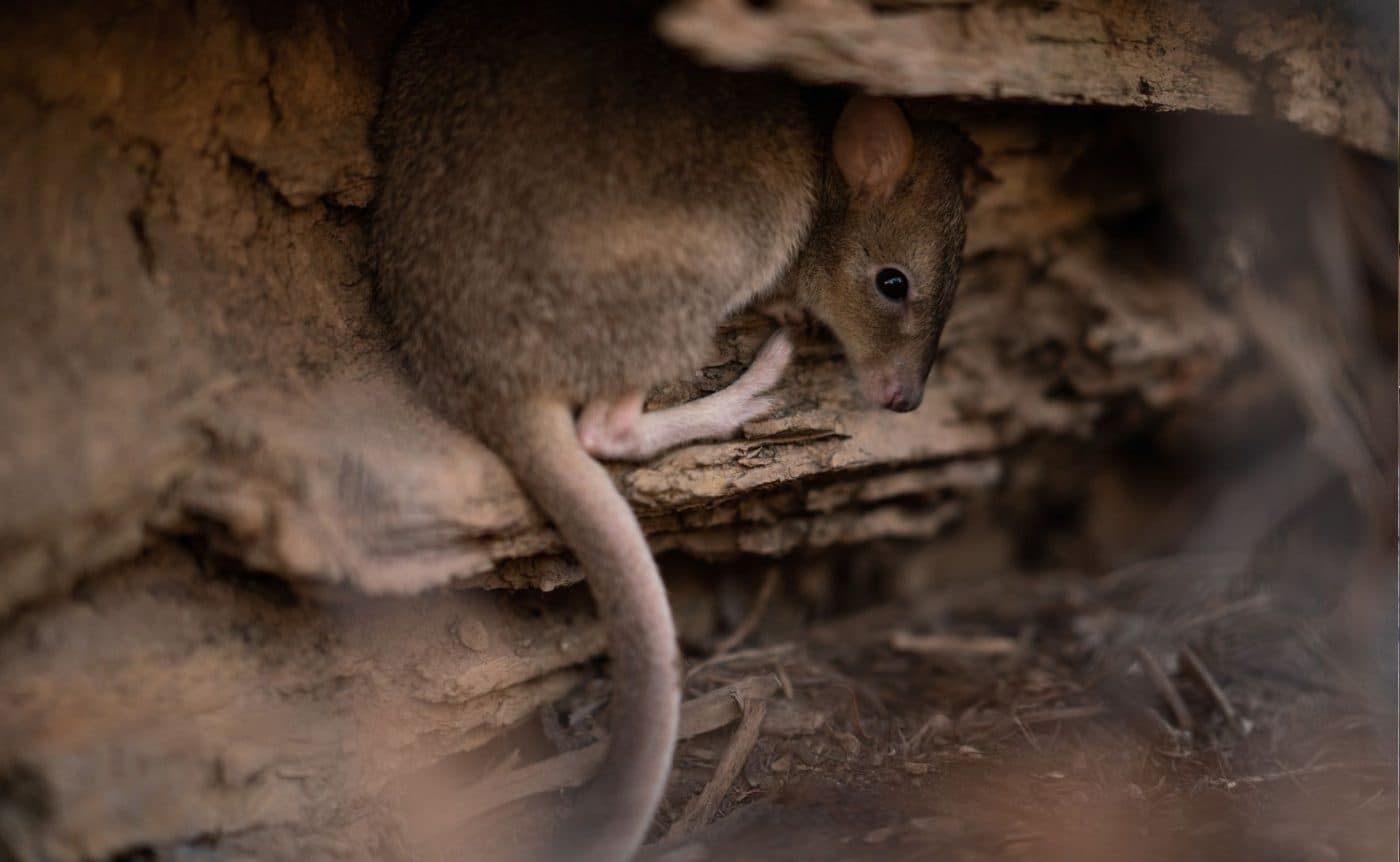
(902, 398)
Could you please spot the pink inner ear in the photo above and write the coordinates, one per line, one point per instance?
(872, 145)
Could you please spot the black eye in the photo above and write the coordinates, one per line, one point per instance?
(892, 284)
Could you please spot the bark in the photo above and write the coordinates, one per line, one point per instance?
(1326, 69)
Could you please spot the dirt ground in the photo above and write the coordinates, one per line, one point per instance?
(905, 702)
(1042, 717)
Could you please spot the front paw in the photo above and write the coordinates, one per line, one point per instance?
(611, 444)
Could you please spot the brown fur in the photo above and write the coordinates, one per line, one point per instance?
(568, 210)
(540, 162)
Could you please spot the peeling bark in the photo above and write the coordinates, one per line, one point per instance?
(1294, 61)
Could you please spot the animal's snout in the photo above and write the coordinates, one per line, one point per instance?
(902, 397)
(893, 386)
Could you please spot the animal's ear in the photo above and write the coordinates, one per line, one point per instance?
(872, 145)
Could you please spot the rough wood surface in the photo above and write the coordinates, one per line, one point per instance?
(1329, 69)
(167, 704)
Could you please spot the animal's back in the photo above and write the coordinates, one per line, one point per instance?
(569, 207)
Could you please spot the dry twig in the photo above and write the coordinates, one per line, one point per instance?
(1066, 713)
(969, 646)
(703, 714)
(703, 807)
(755, 654)
(1164, 686)
(1199, 670)
(755, 614)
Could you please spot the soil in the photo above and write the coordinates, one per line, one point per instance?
(1013, 718)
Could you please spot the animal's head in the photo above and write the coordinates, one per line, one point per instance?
(892, 229)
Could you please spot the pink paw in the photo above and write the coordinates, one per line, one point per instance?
(590, 437)
(605, 431)
(608, 446)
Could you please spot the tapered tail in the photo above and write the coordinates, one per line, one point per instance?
(538, 441)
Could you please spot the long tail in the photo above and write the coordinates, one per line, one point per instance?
(538, 441)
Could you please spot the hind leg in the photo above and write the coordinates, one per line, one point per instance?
(617, 428)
